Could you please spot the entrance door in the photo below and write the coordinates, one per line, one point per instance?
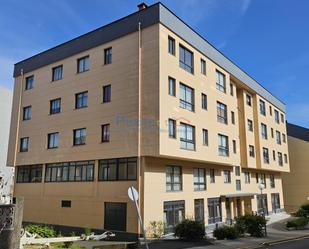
(275, 201)
(238, 205)
(228, 211)
(262, 204)
(199, 210)
(115, 217)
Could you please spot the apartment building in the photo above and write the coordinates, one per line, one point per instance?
(295, 184)
(146, 102)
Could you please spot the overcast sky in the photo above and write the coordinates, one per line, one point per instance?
(268, 39)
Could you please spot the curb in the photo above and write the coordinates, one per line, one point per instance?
(279, 241)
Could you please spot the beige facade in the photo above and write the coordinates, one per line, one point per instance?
(139, 78)
(295, 183)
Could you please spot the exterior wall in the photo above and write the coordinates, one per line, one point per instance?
(5, 114)
(155, 190)
(295, 183)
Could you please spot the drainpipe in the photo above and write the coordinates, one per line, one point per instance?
(17, 126)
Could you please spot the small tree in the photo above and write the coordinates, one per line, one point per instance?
(252, 224)
(190, 230)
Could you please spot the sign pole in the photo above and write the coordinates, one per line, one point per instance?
(133, 195)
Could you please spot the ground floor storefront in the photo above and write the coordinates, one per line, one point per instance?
(94, 193)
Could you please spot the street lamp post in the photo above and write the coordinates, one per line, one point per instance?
(262, 187)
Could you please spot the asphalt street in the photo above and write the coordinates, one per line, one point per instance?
(295, 244)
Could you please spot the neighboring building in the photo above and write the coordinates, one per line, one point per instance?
(209, 133)
(296, 183)
(6, 173)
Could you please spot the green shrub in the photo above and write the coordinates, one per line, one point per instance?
(225, 232)
(42, 230)
(303, 211)
(87, 231)
(190, 230)
(252, 224)
(298, 223)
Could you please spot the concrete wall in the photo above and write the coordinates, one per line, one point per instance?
(5, 114)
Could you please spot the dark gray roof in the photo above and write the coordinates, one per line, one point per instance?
(297, 131)
(156, 13)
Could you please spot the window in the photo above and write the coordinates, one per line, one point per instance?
(220, 83)
(265, 155)
(272, 181)
(107, 91)
(69, 171)
(174, 213)
(270, 111)
(171, 45)
(204, 101)
(203, 67)
(187, 136)
(105, 133)
(285, 158)
(186, 97)
(280, 161)
(247, 177)
(262, 107)
(276, 116)
(231, 89)
(79, 136)
(251, 151)
(264, 131)
(227, 176)
(275, 202)
(173, 178)
(108, 55)
(24, 143)
(83, 64)
(186, 59)
(262, 179)
(212, 176)
(238, 185)
(223, 145)
(274, 155)
(234, 146)
(250, 125)
(57, 73)
(283, 138)
(171, 86)
(248, 100)
(232, 117)
(27, 112)
(172, 128)
(29, 173)
(205, 137)
(272, 132)
(221, 113)
(118, 169)
(199, 179)
(65, 204)
(29, 82)
(282, 118)
(55, 106)
(53, 140)
(278, 137)
(237, 170)
(81, 100)
(214, 210)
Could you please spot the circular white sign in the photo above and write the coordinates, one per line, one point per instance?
(132, 193)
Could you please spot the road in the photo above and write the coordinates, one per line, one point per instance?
(295, 244)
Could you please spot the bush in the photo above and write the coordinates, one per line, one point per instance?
(252, 224)
(190, 230)
(87, 231)
(298, 223)
(42, 230)
(155, 229)
(303, 211)
(226, 232)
